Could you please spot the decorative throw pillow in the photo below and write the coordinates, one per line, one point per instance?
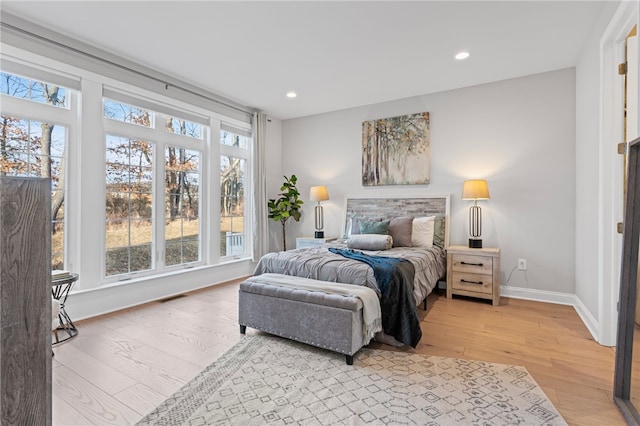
(367, 227)
(355, 226)
(423, 229)
(370, 242)
(438, 231)
(400, 229)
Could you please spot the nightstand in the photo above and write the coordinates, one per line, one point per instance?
(304, 242)
(474, 272)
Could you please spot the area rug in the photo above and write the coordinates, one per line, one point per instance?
(269, 380)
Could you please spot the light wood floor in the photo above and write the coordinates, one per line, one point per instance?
(123, 365)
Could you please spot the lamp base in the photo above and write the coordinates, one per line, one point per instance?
(475, 243)
(319, 234)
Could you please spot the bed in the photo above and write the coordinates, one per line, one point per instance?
(428, 262)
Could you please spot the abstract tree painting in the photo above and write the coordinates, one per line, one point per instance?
(395, 151)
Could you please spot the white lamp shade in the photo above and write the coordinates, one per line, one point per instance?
(475, 190)
(319, 193)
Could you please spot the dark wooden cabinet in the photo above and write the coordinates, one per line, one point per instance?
(25, 301)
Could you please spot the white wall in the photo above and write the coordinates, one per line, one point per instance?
(587, 171)
(519, 134)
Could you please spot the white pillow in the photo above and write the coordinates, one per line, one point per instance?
(422, 231)
(370, 242)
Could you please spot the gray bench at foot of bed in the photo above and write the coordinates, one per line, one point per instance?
(329, 321)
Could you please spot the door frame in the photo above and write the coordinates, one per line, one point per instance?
(610, 196)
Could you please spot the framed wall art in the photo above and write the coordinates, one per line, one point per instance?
(395, 150)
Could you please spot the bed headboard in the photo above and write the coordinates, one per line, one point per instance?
(388, 208)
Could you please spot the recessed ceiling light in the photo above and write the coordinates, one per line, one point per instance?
(462, 55)
(291, 94)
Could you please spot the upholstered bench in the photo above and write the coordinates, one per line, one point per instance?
(326, 320)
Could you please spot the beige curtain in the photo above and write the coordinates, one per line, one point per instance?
(260, 213)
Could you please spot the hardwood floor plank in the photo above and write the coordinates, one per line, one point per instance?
(479, 336)
(172, 341)
(94, 404)
(65, 414)
(111, 321)
(580, 410)
(434, 344)
(596, 377)
(568, 383)
(140, 362)
(97, 372)
(141, 398)
(490, 354)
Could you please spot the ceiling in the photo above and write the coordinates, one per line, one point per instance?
(335, 55)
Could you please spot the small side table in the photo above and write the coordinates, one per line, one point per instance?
(303, 242)
(474, 272)
(60, 288)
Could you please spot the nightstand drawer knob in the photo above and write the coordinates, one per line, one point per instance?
(470, 282)
(472, 264)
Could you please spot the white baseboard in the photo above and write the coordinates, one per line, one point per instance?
(537, 295)
(85, 304)
(587, 318)
(555, 297)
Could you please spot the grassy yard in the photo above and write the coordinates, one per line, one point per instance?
(177, 250)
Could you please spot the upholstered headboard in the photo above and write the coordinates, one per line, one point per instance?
(388, 208)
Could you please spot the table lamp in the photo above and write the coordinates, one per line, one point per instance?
(475, 190)
(319, 193)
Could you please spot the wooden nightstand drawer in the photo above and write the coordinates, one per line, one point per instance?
(472, 282)
(472, 264)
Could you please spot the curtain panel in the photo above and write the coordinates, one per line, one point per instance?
(260, 213)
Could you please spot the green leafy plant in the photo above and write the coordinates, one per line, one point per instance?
(287, 206)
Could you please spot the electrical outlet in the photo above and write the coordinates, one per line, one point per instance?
(522, 264)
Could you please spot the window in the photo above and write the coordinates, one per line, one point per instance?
(37, 147)
(33, 90)
(182, 212)
(127, 113)
(184, 127)
(129, 205)
(233, 166)
(141, 154)
(234, 137)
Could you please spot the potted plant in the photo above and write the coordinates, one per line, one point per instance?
(287, 206)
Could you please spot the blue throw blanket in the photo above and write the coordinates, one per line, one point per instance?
(394, 278)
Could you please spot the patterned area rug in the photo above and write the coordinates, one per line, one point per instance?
(268, 380)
